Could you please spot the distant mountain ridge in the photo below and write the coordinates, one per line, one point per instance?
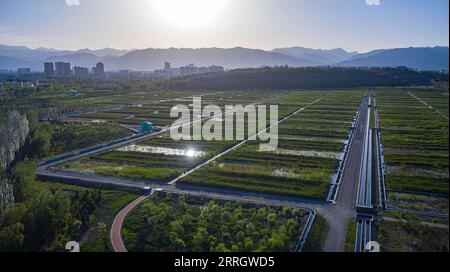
(229, 58)
(423, 58)
(319, 56)
(105, 52)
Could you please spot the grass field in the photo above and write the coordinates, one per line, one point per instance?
(415, 140)
(72, 137)
(350, 236)
(157, 108)
(435, 98)
(412, 237)
(418, 202)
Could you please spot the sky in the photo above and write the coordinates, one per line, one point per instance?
(355, 25)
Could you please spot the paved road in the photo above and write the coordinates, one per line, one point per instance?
(116, 228)
(339, 215)
(43, 167)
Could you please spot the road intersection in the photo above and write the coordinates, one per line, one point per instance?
(337, 215)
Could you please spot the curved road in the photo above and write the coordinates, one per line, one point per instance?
(337, 215)
(115, 234)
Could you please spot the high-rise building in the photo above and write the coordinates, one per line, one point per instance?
(190, 69)
(99, 69)
(49, 69)
(80, 71)
(211, 69)
(167, 66)
(23, 71)
(62, 69)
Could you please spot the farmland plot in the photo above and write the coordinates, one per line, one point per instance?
(435, 99)
(415, 140)
(307, 156)
(157, 110)
(412, 237)
(161, 159)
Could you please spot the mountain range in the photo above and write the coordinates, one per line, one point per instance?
(422, 58)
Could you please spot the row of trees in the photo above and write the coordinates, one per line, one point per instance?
(303, 78)
(13, 134)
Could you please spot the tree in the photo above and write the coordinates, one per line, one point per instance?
(221, 248)
(6, 195)
(11, 238)
(23, 175)
(271, 218)
(248, 244)
(234, 248)
(262, 214)
(40, 143)
(200, 239)
(277, 242)
(47, 221)
(13, 134)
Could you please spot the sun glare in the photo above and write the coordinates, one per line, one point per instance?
(191, 153)
(189, 13)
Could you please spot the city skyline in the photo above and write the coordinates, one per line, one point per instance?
(356, 25)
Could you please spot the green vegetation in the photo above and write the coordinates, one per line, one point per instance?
(37, 216)
(43, 220)
(181, 223)
(307, 156)
(317, 235)
(350, 236)
(167, 158)
(46, 216)
(437, 99)
(50, 139)
(71, 137)
(50, 98)
(304, 78)
(97, 237)
(412, 237)
(441, 86)
(415, 140)
(419, 202)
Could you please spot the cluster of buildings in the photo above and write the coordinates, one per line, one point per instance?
(63, 69)
(24, 71)
(187, 70)
(18, 85)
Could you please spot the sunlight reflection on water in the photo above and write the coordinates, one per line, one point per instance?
(190, 152)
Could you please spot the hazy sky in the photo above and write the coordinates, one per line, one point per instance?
(352, 24)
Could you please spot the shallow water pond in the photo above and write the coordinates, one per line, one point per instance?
(189, 152)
